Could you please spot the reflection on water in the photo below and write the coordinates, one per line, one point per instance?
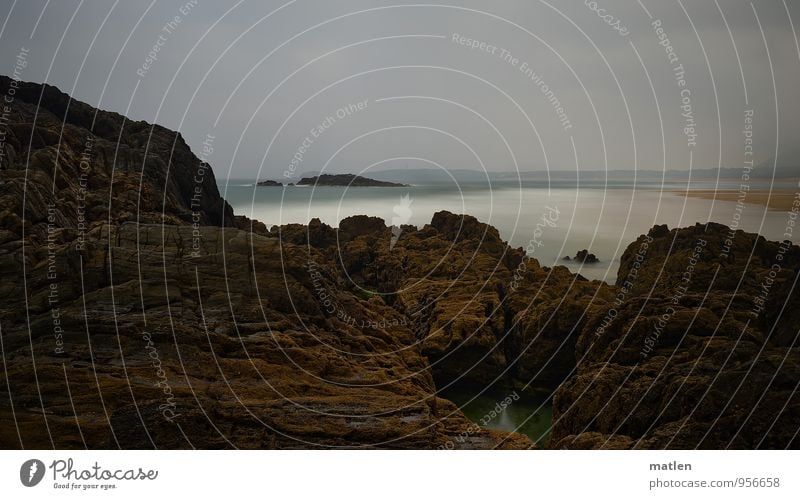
(505, 411)
(598, 218)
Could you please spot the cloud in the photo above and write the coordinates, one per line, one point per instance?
(383, 49)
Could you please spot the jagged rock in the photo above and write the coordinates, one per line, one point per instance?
(483, 312)
(147, 324)
(361, 225)
(151, 321)
(147, 174)
(688, 359)
(583, 256)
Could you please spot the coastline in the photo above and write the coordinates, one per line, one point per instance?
(780, 199)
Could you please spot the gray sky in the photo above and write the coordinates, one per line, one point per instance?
(258, 76)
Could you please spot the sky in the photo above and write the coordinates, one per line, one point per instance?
(281, 88)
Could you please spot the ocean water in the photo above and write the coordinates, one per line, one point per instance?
(599, 217)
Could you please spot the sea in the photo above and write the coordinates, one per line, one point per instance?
(551, 220)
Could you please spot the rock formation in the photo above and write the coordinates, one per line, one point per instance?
(698, 350)
(137, 311)
(583, 256)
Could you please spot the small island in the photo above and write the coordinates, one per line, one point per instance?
(346, 180)
(583, 256)
(269, 183)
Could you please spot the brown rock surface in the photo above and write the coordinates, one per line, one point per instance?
(689, 360)
(131, 317)
(130, 326)
(483, 313)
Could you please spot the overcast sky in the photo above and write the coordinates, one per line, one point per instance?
(259, 76)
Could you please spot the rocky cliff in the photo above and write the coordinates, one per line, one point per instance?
(698, 350)
(137, 311)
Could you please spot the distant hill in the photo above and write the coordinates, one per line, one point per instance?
(433, 176)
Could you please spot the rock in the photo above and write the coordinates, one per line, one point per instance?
(147, 174)
(361, 225)
(688, 358)
(270, 183)
(482, 311)
(154, 319)
(583, 256)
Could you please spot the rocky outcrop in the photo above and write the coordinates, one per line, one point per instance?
(96, 165)
(483, 312)
(699, 350)
(137, 311)
(583, 256)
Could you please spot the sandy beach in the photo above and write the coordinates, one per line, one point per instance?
(777, 200)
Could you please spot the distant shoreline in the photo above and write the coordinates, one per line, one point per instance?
(780, 199)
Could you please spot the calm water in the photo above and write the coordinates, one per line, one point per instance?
(524, 415)
(601, 218)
